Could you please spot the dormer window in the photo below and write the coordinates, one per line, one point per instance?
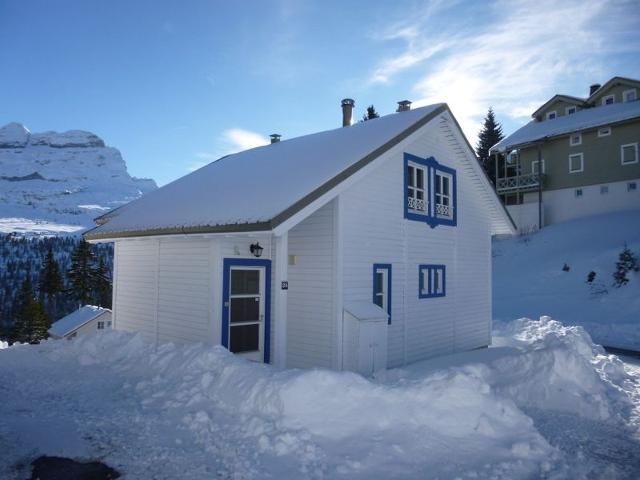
(570, 110)
(608, 100)
(430, 191)
(551, 115)
(629, 95)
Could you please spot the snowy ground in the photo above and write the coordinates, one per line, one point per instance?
(528, 279)
(544, 403)
(28, 226)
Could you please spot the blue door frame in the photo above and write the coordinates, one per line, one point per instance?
(247, 262)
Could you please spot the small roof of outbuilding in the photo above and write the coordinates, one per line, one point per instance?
(587, 118)
(75, 320)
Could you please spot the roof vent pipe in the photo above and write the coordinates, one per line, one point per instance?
(593, 88)
(404, 106)
(347, 111)
(275, 137)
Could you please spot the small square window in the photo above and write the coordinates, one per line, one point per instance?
(604, 131)
(629, 153)
(576, 163)
(604, 189)
(575, 139)
(551, 115)
(570, 110)
(608, 100)
(629, 95)
(100, 325)
(535, 168)
(632, 186)
(578, 192)
(432, 281)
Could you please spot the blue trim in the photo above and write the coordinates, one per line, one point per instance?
(247, 262)
(443, 275)
(387, 267)
(431, 167)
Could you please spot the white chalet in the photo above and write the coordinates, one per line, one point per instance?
(359, 248)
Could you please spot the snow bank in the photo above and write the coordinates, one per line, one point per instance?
(3, 345)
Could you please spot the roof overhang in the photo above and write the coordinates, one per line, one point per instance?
(564, 98)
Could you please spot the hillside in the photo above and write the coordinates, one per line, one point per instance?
(58, 182)
(529, 281)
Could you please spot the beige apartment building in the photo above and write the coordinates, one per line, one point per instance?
(577, 157)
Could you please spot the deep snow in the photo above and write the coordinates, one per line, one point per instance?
(546, 403)
(528, 279)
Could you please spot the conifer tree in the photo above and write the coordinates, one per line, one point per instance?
(490, 134)
(50, 283)
(31, 321)
(371, 114)
(82, 274)
(102, 285)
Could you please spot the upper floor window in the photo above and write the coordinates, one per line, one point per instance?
(604, 131)
(570, 110)
(430, 191)
(382, 287)
(632, 186)
(629, 153)
(575, 139)
(608, 100)
(432, 281)
(551, 115)
(576, 163)
(100, 325)
(535, 166)
(629, 95)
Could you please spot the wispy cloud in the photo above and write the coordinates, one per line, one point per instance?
(230, 141)
(515, 59)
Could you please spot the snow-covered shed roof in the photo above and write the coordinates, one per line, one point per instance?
(535, 131)
(258, 189)
(75, 320)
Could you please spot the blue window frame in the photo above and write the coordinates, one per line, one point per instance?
(382, 287)
(432, 281)
(430, 191)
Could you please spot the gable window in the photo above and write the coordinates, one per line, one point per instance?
(604, 131)
(100, 325)
(578, 192)
(629, 95)
(535, 167)
(608, 100)
(629, 153)
(570, 110)
(430, 188)
(551, 115)
(415, 189)
(604, 189)
(382, 287)
(632, 186)
(432, 281)
(576, 163)
(575, 139)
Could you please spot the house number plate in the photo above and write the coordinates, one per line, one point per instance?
(285, 285)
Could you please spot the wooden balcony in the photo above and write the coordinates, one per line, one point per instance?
(522, 183)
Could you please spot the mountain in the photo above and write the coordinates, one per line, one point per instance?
(54, 182)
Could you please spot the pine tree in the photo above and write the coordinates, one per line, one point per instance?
(490, 134)
(31, 321)
(50, 284)
(82, 274)
(371, 114)
(627, 262)
(102, 285)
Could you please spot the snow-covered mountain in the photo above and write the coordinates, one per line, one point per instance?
(58, 182)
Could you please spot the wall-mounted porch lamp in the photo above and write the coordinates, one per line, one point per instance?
(256, 249)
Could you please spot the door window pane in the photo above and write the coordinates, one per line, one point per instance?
(244, 338)
(245, 310)
(244, 282)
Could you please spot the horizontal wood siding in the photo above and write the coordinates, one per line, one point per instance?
(310, 312)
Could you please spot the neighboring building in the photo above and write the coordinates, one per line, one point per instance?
(357, 248)
(85, 320)
(578, 157)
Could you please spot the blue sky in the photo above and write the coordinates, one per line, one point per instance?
(175, 85)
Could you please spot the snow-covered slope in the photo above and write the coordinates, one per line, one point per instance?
(528, 277)
(59, 182)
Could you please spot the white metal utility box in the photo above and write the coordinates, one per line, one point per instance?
(364, 338)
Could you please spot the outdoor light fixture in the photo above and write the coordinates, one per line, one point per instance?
(256, 249)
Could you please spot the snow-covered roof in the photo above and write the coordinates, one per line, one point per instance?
(258, 189)
(581, 120)
(75, 320)
(365, 310)
(562, 97)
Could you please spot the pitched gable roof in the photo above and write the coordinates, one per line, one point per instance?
(565, 98)
(258, 189)
(612, 83)
(75, 320)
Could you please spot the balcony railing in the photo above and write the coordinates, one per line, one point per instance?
(444, 210)
(530, 181)
(417, 204)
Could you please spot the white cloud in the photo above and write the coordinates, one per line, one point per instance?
(230, 141)
(525, 52)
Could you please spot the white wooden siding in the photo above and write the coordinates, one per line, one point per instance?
(310, 312)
